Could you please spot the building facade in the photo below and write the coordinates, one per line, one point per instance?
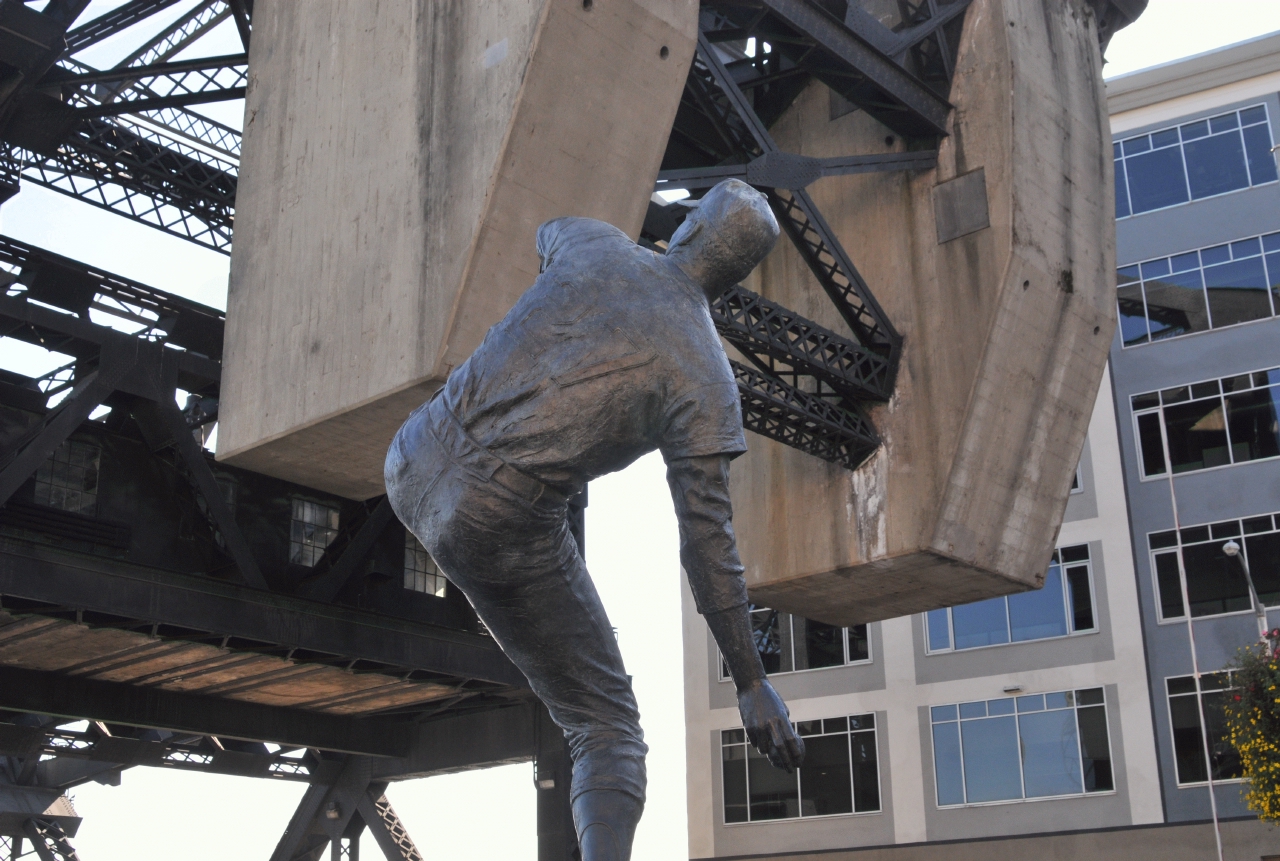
(1067, 720)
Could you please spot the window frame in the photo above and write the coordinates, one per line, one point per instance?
(335, 509)
(414, 546)
(68, 448)
(1200, 714)
(1136, 413)
(1177, 548)
(1271, 289)
(1066, 604)
(723, 671)
(1075, 708)
(874, 731)
(1118, 142)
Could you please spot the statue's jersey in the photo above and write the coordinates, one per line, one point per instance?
(609, 355)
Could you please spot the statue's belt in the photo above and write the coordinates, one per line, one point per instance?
(474, 458)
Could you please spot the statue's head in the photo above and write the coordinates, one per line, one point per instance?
(725, 237)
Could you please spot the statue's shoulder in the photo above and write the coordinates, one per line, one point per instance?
(571, 235)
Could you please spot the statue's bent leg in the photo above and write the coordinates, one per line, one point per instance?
(517, 562)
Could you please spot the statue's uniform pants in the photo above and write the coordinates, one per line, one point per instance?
(503, 538)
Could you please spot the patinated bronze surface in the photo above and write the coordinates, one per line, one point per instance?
(609, 355)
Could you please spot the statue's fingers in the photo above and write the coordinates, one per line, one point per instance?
(778, 754)
(795, 750)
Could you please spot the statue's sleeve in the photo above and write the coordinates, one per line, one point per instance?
(708, 549)
(560, 235)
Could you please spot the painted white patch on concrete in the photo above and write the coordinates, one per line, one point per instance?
(495, 54)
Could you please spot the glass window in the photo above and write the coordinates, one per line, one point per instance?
(1215, 582)
(788, 643)
(1199, 290)
(420, 571)
(1063, 606)
(840, 774)
(1188, 735)
(69, 478)
(1037, 746)
(313, 528)
(1196, 160)
(1205, 428)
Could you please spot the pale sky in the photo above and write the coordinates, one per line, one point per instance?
(631, 551)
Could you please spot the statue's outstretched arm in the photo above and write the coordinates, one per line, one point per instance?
(709, 554)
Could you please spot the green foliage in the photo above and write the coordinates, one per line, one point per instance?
(1253, 721)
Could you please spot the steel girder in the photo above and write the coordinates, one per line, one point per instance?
(122, 139)
(66, 755)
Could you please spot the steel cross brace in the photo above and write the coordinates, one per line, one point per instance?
(746, 136)
(50, 841)
(338, 810)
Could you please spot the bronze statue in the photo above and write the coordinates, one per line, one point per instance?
(609, 355)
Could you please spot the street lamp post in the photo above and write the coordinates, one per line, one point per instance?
(1232, 549)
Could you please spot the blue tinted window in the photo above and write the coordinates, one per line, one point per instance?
(1224, 122)
(1155, 268)
(1215, 165)
(1040, 614)
(1050, 747)
(1237, 292)
(1234, 284)
(990, 750)
(995, 708)
(1035, 615)
(1156, 179)
(1246, 248)
(1197, 160)
(1122, 192)
(1132, 313)
(1262, 163)
(1175, 305)
(985, 623)
(1133, 146)
(1251, 116)
(1050, 753)
(1033, 703)
(1216, 254)
(1191, 131)
(939, 630)
(946, 763)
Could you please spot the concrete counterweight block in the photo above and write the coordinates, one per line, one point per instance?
(398, 159)
(999, 269)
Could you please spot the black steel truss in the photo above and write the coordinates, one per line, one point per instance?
(835, 432)
(808, 384)
(63, 754)
(123, 139)
(767, 333)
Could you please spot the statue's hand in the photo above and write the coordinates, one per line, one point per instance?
(766, 719)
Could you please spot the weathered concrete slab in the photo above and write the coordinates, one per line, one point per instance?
(397, 162)
(998, 267)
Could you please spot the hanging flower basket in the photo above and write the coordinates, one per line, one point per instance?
(1253, 721)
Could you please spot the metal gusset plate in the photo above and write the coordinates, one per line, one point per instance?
(835, 432)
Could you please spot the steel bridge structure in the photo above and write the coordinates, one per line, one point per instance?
(172, 622)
